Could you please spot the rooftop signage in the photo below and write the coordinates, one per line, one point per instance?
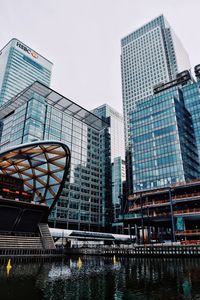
(27, 50)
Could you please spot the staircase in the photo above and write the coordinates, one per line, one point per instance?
(20, 242)
(46, 237)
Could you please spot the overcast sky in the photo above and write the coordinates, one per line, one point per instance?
(82, 39)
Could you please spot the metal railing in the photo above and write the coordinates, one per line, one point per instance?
(188, 232)
(24, 234)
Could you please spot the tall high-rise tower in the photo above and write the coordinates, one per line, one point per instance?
(150, 55)
(116, 129)
(116, 122)
(19, 67)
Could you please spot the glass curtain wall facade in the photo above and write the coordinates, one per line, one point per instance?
(84, 203)
(118, 182)
(20, 66)
(191, 93)
(164, 147)
(116, 122)
(150, 55)
(116, 129)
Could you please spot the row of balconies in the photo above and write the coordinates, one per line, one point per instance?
(188, 232)
(193, 211)
(175, 197)
(164, 202)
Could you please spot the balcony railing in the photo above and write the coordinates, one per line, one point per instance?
(185, 196)
(174, 197)
(176, 212)
(188, 232)
(164, 214)
(187, 211)
(161, 202)
(149, 204)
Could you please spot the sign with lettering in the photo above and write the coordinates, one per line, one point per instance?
(27, 50)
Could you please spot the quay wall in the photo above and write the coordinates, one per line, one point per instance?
(31, 253)
(140, 251)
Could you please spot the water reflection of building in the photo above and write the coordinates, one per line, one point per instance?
(40, 113)
(136, 278)
(88, 282)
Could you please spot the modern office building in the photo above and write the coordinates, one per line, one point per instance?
(191, 93)
(165, 158)
(19, 67)
(116, 122)
(118, 186)
(39, 113)
(150, 55)
(170, 213)
(164, 149)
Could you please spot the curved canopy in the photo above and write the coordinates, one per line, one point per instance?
(43, 166)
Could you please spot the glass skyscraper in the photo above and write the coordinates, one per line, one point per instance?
(116, 129)
(39, 113)
(118, 185)
(150, 55)
(165, 136)
(116, 122)
(19, 67)
(191, 94)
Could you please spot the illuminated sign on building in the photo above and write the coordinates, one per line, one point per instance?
(14, 183)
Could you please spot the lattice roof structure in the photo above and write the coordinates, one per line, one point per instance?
(54, 99)
(43, 166)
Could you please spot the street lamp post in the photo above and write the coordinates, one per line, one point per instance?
(172, 216)
(142, 220)
(121, 209)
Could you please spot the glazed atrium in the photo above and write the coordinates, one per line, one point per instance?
(40, 113)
